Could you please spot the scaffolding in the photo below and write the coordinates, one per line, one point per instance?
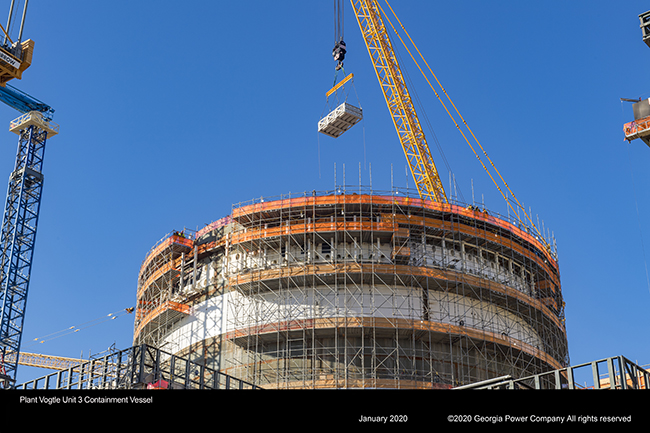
(354, 288)
(159, 304)
(173, 277)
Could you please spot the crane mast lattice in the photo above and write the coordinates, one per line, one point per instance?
(18, 233)
(22, 205)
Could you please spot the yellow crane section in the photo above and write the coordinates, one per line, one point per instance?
(400, 104)
(13, 62)
(46, 361)
(15, 55)
(369, 17)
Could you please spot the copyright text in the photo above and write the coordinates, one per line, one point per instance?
(544, 419)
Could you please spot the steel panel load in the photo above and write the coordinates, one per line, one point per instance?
(339, 120)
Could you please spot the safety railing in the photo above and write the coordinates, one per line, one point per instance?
(34, 118)
(637, 128)
(609, 373)
(138, 367)
(400, 197)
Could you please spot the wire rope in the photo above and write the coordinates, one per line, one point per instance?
(413, 92)
(638, 217)
(541, 237)
(82, 326)
(338, 21)
(636, 204)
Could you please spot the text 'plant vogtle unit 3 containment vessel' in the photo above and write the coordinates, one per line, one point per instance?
(361, 290)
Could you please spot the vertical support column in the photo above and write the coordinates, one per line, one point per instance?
(18, 235)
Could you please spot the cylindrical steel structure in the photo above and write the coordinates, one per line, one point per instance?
(364, 290)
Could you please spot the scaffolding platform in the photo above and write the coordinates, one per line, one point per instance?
(339, 120)
(638, 129)
(33, 118)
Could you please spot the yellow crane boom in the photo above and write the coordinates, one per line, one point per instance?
(391, 80)
(46, 361)
(399, 101)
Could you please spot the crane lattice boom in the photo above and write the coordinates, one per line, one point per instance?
(399, 101)
(46, 361)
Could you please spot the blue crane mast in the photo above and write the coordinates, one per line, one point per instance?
(18, 230)
(20, 219)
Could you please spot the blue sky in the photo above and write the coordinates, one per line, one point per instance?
(171, 111)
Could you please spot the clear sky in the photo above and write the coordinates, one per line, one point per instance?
(170, 112)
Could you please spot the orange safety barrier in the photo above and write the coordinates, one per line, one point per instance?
(480, 233)
(418, 271)
(165, 306)
(477, 215)
(392, 225)
(203, 248)
(163, 269)
(387, 201)
(173, 239)
(324, 200)
(293, 229)
(637, 128)
(377, 322)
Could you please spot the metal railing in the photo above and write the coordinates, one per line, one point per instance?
(609, 373)
(138, 367)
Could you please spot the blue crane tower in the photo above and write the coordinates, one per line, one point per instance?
(18, 230)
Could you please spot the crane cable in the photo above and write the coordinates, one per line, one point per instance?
(85, 325)
(636, 201)
(464, 122)
(638, 217)
(413, 91)
(338, 21)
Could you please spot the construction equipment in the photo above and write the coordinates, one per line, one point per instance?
(340, 47)
(24, 103)
(46, 361)
(405, 119)
(54, 362)
(644, 18)
(640, 126)
(344, 115)
(398, 100)
(18, 230)
(15, 56)
(339, 120)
